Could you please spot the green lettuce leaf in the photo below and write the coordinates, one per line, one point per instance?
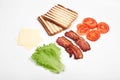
(48, 56)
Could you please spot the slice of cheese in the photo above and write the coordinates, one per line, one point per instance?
(29, 38)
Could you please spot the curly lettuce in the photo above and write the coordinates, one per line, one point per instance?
(48, 56)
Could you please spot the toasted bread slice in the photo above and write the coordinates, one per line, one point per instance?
(50, 27)
(61, 16)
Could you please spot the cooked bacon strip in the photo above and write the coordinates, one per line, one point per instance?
(84, 45)
(69, 47)
(77, 52)
(70, 51)
(62, 41)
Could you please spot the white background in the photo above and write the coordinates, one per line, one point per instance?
(102, 62)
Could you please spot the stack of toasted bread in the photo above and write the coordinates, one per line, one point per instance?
(57, 19)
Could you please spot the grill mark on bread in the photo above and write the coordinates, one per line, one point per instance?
(61, 14)
(45, 25)
(59, 17)
(54, 27)
(50, 27)
(53, 15)
(57, 28)
(61, 11)
(72, 14)
(67, 9)
(57, 22)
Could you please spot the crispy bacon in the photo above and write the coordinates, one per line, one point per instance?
(70, 47)
(84, 45)
(77, 52)
(62, 41)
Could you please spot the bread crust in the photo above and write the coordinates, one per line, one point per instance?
(50, 27)
(57, 19)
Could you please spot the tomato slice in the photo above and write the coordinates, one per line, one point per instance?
(102, 27)
(90, 22)
(93, 35)
(82, 29)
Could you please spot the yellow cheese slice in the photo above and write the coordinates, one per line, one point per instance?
(29, 38)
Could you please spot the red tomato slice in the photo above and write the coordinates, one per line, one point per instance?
(82, 29)
(90, 22)
(102, 27)
(93, 35)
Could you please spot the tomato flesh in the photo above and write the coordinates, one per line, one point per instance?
(90, 22)
(102, 27)
(93, 35)
(92, 29)
(82, 29)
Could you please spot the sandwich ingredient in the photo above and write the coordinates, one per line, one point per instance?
(28, 38)
(102, 27)
(70, 47)
(91, 29)
(90, 22)
(50, 27)
(93, 35)
(48, 56)
(84, 45)
(82, 29)
(57, 19)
